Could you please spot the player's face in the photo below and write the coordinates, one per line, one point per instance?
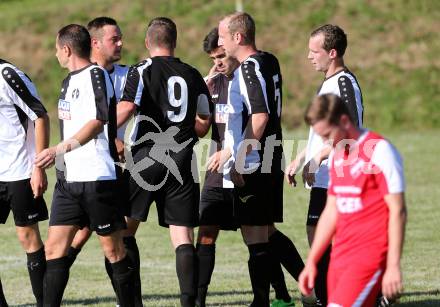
(224, 64)
(61, 54)
(225, 39)
(110, 44)
(330, 133)
(318, 56)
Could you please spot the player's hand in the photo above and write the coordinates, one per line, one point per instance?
(218, 160)
(45, 158)
(306, 280)
(308, 175)
(236, 178)
(120, 149)
(392, 285)
(210, 78)
(38, 182)
(291, 172)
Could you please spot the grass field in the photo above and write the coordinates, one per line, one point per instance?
(88, 284)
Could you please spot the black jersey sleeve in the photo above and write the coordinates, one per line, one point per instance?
(204, 101)
(348, 96)
(134, 85)
(100, 92)
(23, 93)
(254, 89)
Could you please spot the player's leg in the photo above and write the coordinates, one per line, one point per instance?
(207, 236)
(256, 239)
(122, 267)
(102, 203)
(28, 211)
(3, 302)
(58, 242)
(318, 198)
(80, 239)
(182, 238)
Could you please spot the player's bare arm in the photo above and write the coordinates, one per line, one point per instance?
(323, 236)
(46, 158)
(38, 177)
(392, 284)
(124, 111)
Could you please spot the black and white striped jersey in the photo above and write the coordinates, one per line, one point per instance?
(118, 74)
(343, 84)
(256, 88)
(20, 106)
(88, 94)
(220, 115)
(168, 92)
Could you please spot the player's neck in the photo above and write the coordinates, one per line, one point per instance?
(245, 52)
(101, 62)
(336, 65)
(77, 63)
(161, 52)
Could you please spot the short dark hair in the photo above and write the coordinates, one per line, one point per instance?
(327, 107)
(77, 38)
(210, 43)
(162, 32)
(98, 23)
(334, 38)
(244, 24)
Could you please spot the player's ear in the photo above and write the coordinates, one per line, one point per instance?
(147, 44)
(345, 121)
(67, 50)
(94, 42)
(333, 53)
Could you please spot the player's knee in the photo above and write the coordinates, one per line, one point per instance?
(29, 238)
(53, 249)
(114, 250)
(208, 234)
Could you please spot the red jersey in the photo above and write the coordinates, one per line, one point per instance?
(359, 179)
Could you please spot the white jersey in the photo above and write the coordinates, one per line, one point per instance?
(119, 75)
(20, 106)
(88, 94)
(344, 85)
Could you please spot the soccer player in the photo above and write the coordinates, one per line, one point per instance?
(106, 44)
(255, 115)
(365, 213)
(24, 132)
(86, 192)
(171, 102)
(327, 45)
(216, 203)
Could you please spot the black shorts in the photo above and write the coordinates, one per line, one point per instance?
(177, 199)
(277, 197)
(253, 201)
(217, 207)
(96, 204)
(318, 198)
(18, 197)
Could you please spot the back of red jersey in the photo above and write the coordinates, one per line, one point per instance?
(360, 179)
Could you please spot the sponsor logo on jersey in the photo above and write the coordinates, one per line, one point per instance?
(75, 93)
(222, 113)
(348, 204)
(64, 110)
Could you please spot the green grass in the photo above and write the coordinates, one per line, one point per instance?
(88, 284)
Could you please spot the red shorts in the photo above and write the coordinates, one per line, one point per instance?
(354, 285)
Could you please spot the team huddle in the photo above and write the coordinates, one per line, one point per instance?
(109, 173)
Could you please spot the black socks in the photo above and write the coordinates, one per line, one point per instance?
(133, 253)
(186, 268)
(36, 264)
(206, 261)
(123, 280)
(321, 278)
(72, 253)
(259, 273)
(55, 281)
